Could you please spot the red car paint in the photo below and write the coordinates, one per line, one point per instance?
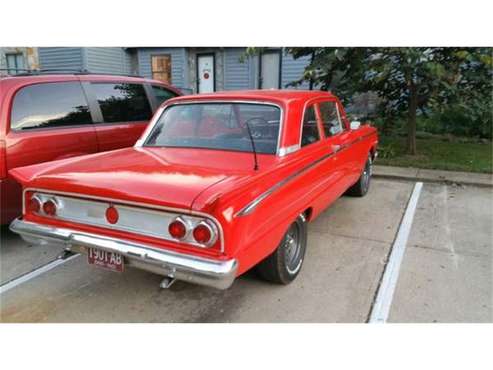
(26, 147)
(219, 183)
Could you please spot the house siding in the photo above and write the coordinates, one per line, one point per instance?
(107, 60)
(178, 64)
(237, 75)
(61, 58)
(292, 70)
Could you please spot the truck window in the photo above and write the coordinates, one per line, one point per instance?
(49, 105)
(309, 133)
(330, 118)
(122, 102)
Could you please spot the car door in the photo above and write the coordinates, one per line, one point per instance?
(336, 137)
(47, 121)
(123, 110)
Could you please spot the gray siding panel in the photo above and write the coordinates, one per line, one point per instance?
(60, 58)
(107, 60)
(178, 63)
(236, 74)
(292, 70)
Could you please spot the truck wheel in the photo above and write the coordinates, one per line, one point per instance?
(361, 187)
(284, 264)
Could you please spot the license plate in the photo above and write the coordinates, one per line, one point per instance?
(108, 260)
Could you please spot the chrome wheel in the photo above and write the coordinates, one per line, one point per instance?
(292, 245)
(367, 174)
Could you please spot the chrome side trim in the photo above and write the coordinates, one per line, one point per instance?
(144, 206)
(218, 274)
(288, 150)
(161, 111)
(252, 205)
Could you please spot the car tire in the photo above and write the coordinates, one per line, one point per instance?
(361, 187)
(282, 266)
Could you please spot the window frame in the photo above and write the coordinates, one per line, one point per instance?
(170, 82)
(321, 137)
(155, 120)
(16, 70)
(63, 127)
(98, 118)
(156, 102)
(339, 118)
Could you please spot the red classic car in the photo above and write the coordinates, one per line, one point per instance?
(217, 184)
(44, 117)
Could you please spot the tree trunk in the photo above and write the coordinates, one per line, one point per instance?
(411, 119)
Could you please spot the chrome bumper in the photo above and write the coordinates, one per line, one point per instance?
(197, 270)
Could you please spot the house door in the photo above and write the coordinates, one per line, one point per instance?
(270, 68)
(205, 73)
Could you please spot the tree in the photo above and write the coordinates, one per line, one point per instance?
(408, 80)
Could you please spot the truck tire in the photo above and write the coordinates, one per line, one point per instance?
(282, 266)
(361, 187)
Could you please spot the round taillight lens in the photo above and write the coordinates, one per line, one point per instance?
(202, 233)
(49, 207)
(177, 229)
(34, 205)
(112, 215)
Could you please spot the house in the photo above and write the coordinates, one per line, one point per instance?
(194, 69)
(14, 60)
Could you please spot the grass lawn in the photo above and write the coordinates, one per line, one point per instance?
(437, 154)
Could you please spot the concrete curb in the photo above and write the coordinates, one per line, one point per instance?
(433, 176)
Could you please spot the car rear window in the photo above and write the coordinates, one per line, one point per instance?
(49, 105)
(222, 126)
(122, 102)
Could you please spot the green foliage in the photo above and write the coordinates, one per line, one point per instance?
(442, 89)
(437, 153)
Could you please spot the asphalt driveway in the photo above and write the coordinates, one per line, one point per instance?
(446, 272)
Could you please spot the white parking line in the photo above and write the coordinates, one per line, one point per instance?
(383, 301)
(31, 275)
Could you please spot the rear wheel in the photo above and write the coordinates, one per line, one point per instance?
(284, 264)
(361, 187)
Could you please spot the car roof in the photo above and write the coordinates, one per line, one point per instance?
(58, 77)
(275, 96)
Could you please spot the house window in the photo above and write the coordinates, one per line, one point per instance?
(161, 68)
(15, 63)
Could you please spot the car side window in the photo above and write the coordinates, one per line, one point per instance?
(122, 102)
(162, 94)
(330, 118)
(47, 105)
(309, 133)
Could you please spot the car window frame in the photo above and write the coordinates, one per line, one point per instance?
(153, 95)
(15, 131)
(94, 104)
(341, 122)
(316, 111)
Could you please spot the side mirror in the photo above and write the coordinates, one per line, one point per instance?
(354, 125)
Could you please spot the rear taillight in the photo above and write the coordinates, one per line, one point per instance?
(202, 233)
(178, 228)
(3, 160)
(112, 215)
(49, 207)
(33, 205)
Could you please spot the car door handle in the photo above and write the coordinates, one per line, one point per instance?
(336, 148)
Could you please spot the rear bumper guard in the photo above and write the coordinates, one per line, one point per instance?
(218, 274)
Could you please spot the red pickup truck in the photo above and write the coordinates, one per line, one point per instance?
(217, 184)
(49, 117)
